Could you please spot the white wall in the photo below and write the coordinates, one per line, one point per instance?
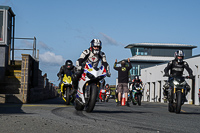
(154, 75)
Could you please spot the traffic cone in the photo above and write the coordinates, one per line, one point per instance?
(123, 101)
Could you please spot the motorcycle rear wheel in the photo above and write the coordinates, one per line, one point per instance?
(93, 96)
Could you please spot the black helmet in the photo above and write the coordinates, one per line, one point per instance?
(177, 54)
(95, 43)
(136, 78)
(69, 64)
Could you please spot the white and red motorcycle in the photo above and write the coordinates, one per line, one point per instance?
(88, 87)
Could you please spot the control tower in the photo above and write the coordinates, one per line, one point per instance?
(7, 24)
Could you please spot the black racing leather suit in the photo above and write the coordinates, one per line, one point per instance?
(176, 69)
(65, 70)
(139, 81)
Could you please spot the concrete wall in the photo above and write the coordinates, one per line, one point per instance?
(153, 79)
(34, 86)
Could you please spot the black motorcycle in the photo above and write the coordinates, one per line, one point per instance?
(137, 94)
(176, 93)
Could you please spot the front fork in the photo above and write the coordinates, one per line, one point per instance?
(87, 91)
(172, 95)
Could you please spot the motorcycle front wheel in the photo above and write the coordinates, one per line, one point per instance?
(178, 101)
(139, 98)
(92, 100)
(103, 98)
(67, 96)
(134, 101)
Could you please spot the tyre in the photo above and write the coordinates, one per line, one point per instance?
(78, 105)
(103, 98)
(134, 101)
(178, 101)
(170, 107)
(107, 97)
(93, 94)
(68, 96)
(139, 98)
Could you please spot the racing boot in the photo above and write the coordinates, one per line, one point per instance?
(74, 89)
(118, 103)
(127, 104)
(165, 93)
(185, 99)
(186, 92)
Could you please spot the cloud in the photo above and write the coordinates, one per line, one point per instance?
(109, 41)
(6, 2)
(44, 46)
(51, 59)
(27, 44)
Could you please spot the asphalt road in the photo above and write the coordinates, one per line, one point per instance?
(53, 116)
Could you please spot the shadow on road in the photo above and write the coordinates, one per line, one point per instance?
(190, 113)
(56, 100)
(11, 109)
(113, 112)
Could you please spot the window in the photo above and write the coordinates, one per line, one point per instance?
(1, 25)
(135, 70)
(141, 51)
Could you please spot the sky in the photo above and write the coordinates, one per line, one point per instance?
(64, 28)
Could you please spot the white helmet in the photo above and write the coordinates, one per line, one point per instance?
(95, 43)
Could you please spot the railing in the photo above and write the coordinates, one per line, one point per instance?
(33, 49)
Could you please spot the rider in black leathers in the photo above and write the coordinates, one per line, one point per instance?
(68, 68)
(136, 80)
(176, 68)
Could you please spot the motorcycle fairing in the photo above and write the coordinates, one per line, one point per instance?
(84, 79)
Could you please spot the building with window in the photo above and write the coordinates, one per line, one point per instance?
(150, 54)
(7, 18)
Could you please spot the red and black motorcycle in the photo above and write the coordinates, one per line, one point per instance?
(102, 95)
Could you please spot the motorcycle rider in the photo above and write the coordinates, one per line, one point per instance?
(107, 88)
(176, 68)
(136, 80)
(93, 55)
(68, 68)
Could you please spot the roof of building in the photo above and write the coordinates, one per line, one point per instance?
(158, 45)
(150, 58)
(7, 8)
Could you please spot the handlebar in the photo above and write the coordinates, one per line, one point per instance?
(172, 76)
